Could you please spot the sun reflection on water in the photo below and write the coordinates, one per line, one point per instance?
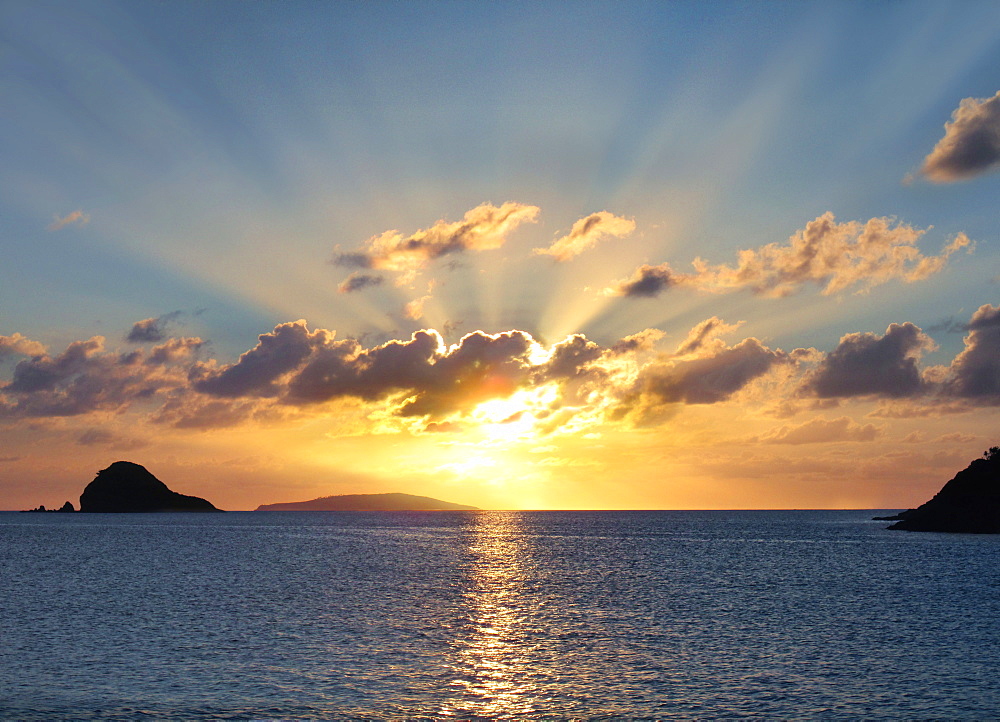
(491, 667)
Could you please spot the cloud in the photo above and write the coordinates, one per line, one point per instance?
(174, 350)
(971, 142)
(646, 282)
(705, 334)
(833, 255)
(705, 380)
(485, 227)
(151, 330)
(822, 431)
(77, 217)
(585, 233)
(414, 310)
(864, 364)
(18, 345)
(257, 370)
(830, 254)
(643, 341)
(358, 281)
(975, 372)
(86, 378)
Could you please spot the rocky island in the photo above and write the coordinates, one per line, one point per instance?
(128, 487)
(969, 503)
(369, 502)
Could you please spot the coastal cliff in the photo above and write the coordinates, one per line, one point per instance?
(128, 487)
(969, 503)
(368, 502)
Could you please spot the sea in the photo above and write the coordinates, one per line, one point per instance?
(495, 615)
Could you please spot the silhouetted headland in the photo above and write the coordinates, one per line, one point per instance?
(969, 503)
(368, 502)
(128, 487)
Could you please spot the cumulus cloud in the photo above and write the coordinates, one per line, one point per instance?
(835, 256)
(77, 217)
(971, 142)
(975, 372)
(822, 431)
(18, 345)
(707, 379)
(485, 227)
(864, 364)
(85, 378)
(646, 282)
(257, 370)
(151, 330)
(585, 233)
(358, 281)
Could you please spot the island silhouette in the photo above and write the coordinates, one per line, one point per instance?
(969, 503)
(128, 487)
(369, 502)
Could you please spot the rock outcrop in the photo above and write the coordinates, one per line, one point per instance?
(368, 502)
(128, 487)
(969, 503)
(68, 506)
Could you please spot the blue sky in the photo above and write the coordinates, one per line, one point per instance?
(220, 154)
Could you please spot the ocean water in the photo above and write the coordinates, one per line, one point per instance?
(551, 615)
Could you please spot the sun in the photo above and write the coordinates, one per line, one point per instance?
(514, 418)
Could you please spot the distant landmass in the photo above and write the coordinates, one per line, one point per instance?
(969, 503)
(369, 502)
(128, 487)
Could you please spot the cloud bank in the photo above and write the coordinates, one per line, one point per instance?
(422, 383)
(834, 256)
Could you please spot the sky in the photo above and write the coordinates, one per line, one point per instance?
(623, 255)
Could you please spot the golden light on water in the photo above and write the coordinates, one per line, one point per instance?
(491, 670)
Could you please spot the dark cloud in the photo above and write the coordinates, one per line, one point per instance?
(352, 260)
(975, 372)
(481, 366)
(647, 282)
(86, 378)
(864, 364)
(174, 350)
(705, 380)
(971, 142)
(257, 370)
(358, 281)
(152, 330)
(571, 357)
(711, 379)
(345, 369)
